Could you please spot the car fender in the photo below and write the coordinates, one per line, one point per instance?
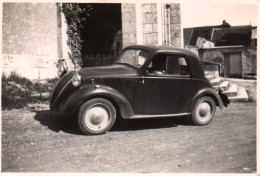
(206, 92)
(92, 91)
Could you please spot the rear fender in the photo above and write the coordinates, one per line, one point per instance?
(224, 98)
(207, 92)
(92, 91)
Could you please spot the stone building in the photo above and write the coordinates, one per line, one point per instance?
(34, 34)
(234, 47)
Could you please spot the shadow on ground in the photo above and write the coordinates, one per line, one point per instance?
(57, 122)
(153, 123)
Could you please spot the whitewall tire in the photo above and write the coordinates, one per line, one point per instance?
(96, 116)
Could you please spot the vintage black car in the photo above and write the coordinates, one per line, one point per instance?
(145, 81)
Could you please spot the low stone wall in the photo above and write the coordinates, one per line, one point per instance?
(31, 67)
(212, 55)
(249, 61)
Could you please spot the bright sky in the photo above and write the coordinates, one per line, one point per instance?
(213, 14)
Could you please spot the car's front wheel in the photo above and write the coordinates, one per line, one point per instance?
(96, 116)
(203, 111)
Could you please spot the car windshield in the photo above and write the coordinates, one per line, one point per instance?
(134, 57)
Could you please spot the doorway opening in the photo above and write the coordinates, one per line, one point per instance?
(102, 35)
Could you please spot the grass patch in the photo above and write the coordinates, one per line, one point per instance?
(18, 91)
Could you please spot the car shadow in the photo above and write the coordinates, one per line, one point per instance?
(152, 123)
(57, 123)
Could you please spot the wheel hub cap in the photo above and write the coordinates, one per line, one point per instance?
(97, 117)
(204, 111)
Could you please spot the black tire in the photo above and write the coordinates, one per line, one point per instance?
(96, 116)
(203, 111)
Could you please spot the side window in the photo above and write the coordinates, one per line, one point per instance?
(176, 65)
(158, 65)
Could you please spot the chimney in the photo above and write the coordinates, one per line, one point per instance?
(224, 24)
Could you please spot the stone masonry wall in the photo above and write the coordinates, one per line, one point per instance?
(155, 24)
(150, 24)
(175, 25)
(128, 24)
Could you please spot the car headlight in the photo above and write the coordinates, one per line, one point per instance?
(76, 80)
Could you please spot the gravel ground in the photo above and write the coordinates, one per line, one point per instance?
(40, 141)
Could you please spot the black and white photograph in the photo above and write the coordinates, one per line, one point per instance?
(144, 87)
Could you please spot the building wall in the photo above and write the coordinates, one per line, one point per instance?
(128, 24)
(148, 23)
(30, 29)
(175, 25)
(29, 43)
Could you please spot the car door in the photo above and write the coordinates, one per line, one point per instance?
(164, 88)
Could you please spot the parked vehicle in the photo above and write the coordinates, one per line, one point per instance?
(146, 81)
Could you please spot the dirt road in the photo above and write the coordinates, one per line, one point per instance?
(42, 142)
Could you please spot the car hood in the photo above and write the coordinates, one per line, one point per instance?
(63, 86)
(111, 70)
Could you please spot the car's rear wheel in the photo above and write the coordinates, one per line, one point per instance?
(203, 111)
(96, 116)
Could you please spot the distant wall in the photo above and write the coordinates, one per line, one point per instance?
(248, 57)
(29, 43)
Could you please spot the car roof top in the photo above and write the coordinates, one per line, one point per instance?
(155, 48)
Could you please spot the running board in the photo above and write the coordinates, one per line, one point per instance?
(157, 115)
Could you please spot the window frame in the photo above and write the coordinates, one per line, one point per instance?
(169, 75)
